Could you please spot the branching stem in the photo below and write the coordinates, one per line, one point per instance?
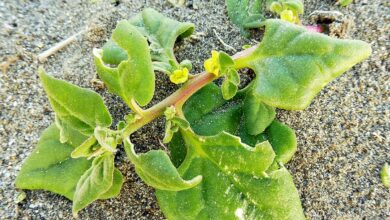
(178, 98)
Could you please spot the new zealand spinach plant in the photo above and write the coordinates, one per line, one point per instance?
(227, 149)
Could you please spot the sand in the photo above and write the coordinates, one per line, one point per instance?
(343, 136)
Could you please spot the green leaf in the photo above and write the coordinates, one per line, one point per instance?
(50, 167)
(80, 109)
(385, 175)
(204, 101)
(294, 5)
(232, 79)
(95, 182)
(107, 138)
(133, 78)
(209, 114)
(169, 132)
(234, 185)
(283, 141)
(87, 149)
(233, 76)
(292, 64)
(180, 122)
(257, 115)
(157, 170)
(245, 14)
(225, 61)
(68, 134)
(136, 76)
(113, 54)
(162, 33)
(116, 187)
(229, 89)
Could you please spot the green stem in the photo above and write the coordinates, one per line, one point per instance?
(179, 97)
(242, 59)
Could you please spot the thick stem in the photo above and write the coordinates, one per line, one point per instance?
(178, 98)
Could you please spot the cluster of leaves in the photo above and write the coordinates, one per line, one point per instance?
(227, 148)
(249, 14)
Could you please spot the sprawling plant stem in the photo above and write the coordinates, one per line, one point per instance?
(178, 98)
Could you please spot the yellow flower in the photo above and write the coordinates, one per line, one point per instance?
(212, 65)
(179, 76)
(287, 15)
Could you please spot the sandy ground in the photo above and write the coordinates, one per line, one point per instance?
(343, 136)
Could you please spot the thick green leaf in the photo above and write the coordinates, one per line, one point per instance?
(229, 89)
(283, 141)
(234, 183)
(113, 54)
(133, 77)
(68, 134)
(87, 149)
(209, 114)
(257, 115)
(204, 101)
(50, 167)
(225, 61)
(109, 74)
(233, 76)
(116, 187)
(245, 14)
(136, 76)
(162, 33)
(157, 170)
(292, 64)
(80, 109)
(95, 182)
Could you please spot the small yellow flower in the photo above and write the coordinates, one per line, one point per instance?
(212, 64)
(287, 15)
(179, 76)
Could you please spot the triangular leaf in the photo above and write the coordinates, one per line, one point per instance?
(293, 64)
(234, 184)
(50, 166)
(69, 103)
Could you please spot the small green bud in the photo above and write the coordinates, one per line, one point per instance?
(170, 112)
(276, 7)
(186, 64)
